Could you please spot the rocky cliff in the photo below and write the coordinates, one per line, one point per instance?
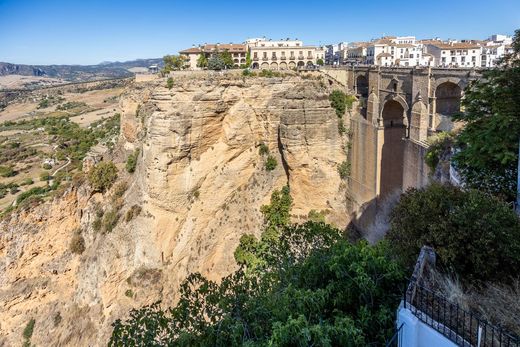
(200, 181)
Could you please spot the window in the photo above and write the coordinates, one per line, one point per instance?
(473, 59)
(463, 59)
(452, 52)
(453, 59)
(255, 55)
(443, 59)
(274, 55)
(411, 55)
(283, 53)
(265, 54)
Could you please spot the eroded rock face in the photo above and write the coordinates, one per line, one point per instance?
(200, 181)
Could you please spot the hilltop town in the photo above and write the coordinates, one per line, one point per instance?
(406, 51)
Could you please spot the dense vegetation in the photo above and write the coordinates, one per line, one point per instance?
(102, 176)
(131, 161)
(300, 285)
(475, 235)
(488, 144)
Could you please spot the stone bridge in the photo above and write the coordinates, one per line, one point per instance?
(399, 109)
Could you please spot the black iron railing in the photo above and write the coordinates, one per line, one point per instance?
(457, 324)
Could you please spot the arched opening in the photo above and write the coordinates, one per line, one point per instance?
(447, 103)
(292, 65)
(235, 61)
(392, 156)
(265, 66)
(310, 63)
(362, 86)
(274, 66)
(283, 66)
(242, 61)
(301, 64)
(255, 66)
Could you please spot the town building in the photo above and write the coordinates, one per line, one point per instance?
(283, 54)
(455, 54)
(397, 51)
(238, 53)
(357, 53)
(335, 54)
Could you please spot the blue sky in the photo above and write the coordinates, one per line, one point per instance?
(91, 31)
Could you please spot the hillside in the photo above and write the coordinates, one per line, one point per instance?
(201, 177)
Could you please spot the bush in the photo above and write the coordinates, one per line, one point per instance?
(133, 212)
(440, 147)
(27, 182)
(270, 163)
(344, 170)
(7, 171)
(263, 149)
(131, 161)
(110, 220)
(129, 293)
(474, 234)
(47, 166)
(102, 176)
(169, 83)
(29, 328)
(45, 176)
(77, 243)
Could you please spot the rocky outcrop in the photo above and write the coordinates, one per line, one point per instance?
(200, 181)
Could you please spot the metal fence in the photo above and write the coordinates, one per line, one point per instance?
(396, 340)
(460, 326)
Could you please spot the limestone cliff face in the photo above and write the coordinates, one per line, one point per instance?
(200, 181)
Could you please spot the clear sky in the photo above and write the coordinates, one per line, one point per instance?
(91, 31)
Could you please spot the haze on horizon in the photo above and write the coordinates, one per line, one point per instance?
(70, 32)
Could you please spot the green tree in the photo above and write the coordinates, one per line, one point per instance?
(202, 61)
(474, 234)
(227, 59)
(173, 62)
(316, 288)
(216, 63)
(102, 176)
(248, 59)
(488, 144)
(320, 62)
(270, 163)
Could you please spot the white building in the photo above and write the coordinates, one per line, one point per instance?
(455, 54)
(283, 54)
(397, 51)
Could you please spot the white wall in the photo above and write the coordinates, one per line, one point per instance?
(415, 333)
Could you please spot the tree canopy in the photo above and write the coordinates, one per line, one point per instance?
(308, 286)
(487, 157)
(173, 62)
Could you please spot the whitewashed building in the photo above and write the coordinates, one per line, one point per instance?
(455, 54)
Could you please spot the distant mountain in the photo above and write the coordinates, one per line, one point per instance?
(78, 73)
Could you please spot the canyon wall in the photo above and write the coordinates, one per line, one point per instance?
(200, 181)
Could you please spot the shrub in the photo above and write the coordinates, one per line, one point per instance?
(169, 83)
(263, 149)
(102, 176)
(45, 176)
(270, 163)
(474, 234)
(29, 328)
(110, 220)
(133, 212)
(77, 243)
(316, 216)
(27, 182)
(129, 293)
(439, 147)
(119, 190)
(337, 101)
(35, 191)
(131, 161)
(344, 170)
(7, 171)
(47, 166)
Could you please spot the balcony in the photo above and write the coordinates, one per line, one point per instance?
(301, 57)
(255, 59)
(292, 57)
(265, 59)
(283, 58)
(274, 58)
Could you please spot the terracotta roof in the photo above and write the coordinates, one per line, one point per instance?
(404, 45)
(463, 45)
(231, 47)
(383, 55)
(191, 50)
(383, 42)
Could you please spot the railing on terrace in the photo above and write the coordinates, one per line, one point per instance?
(452, 321)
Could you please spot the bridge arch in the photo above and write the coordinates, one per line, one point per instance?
(392, 153)
(447, 103)
(362, 85)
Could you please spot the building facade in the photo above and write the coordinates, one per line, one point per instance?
(335, 54)
(455, 54)
(238, 53)
(283, 54)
